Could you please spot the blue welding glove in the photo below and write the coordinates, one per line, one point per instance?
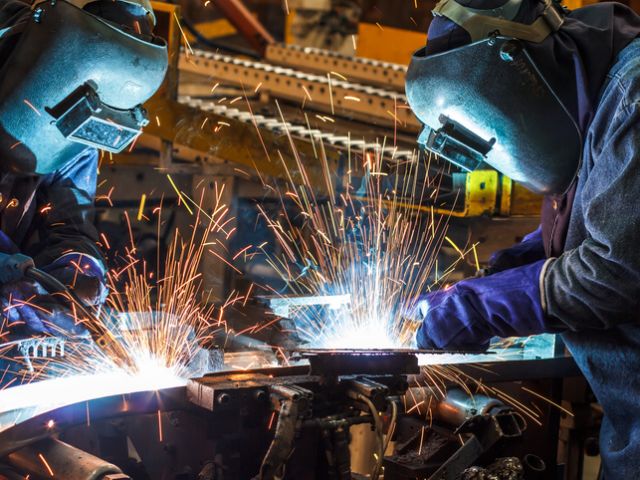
(529, 250)
(468, 314)
(29, 310)
(83, 274)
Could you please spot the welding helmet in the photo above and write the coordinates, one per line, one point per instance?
(486, 101)
(76, 75)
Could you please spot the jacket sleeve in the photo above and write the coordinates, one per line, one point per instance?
(597, 284)
(66, 213)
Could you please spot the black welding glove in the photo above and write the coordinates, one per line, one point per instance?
(83, 274)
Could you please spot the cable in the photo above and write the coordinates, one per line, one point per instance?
(392, 426)
(378, 426)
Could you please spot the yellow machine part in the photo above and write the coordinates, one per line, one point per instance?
(388, 44)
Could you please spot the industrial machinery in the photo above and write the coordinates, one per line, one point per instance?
(332, 415)
(240, 123)
(230, 124)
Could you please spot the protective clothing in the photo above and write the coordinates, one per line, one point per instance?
(83, 274)
(469, 120)
(47, 217)
(592, 289)
(30, 310)
(529, 250)
(468, 314)
(594, 286)
(72, 79)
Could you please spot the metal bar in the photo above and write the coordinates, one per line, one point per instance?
(365, 70)
(246, 24)
(351, 100)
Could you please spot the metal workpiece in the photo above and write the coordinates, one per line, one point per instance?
(273, 423)
(456, 407)
(334, 363)
(509, 468)
(278, 126)
(182, 125)
(434, 451)
(52, 458)
(39, 348)
(322, 92)
(365, 70)
(362, 386)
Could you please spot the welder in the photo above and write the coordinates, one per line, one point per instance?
(550, 98)
(73, 77)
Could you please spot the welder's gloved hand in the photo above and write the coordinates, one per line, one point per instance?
(30, 310)
(83, 274)
(468, 314)
(529, 250)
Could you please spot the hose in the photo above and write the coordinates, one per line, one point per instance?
(375, 474)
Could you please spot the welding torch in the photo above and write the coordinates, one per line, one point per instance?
(14, 267)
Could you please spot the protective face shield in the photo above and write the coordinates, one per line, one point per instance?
(76, 79)
(488, 102)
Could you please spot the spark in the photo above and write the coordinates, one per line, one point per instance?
(307, 93)
(559, 407)
(105, 241)
(160, 426)
(157, 329)
(44, 462)
(339, 75)
(184, 35)
(370, 245)
(331, 94)
(143, 200)
(475, 257)
(179, 194)
(30, 105)
(271, 419)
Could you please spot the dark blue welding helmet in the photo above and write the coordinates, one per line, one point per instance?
(482, 99)
(76, 75)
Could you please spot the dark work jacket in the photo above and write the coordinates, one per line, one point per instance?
(47, 216)
(593, 287)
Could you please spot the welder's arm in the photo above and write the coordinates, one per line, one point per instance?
(471, 312)
(67, 248)
(597, 284)
(529, 250)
